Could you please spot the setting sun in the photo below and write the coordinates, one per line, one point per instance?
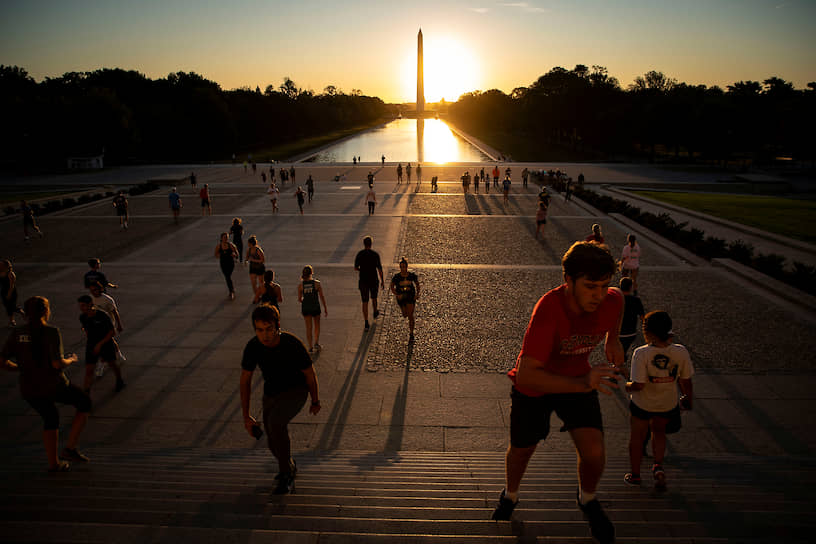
(450, 70)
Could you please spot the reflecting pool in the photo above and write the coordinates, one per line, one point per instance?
(405, 140)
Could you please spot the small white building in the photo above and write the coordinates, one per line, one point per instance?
(86, 163)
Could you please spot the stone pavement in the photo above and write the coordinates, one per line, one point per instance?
(481, 272)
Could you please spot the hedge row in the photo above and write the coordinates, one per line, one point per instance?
(69, 202)
(800, 275)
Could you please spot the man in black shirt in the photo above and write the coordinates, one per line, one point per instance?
(367, 263)
(99, 330)
(95, 275)
(633, 312)
(288, 379)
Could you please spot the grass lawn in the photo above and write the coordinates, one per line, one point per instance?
(784, 216)
(14, 198)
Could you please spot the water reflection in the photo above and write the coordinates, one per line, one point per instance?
(405, 140)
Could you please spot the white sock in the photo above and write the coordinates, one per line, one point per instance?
(585, 496)
(512, 496)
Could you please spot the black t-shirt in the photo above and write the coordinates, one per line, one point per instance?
(33, 349)
(97, 326)
(368, 261)
(405, 285)
(282, 366)
(632, 309)
(92, 276)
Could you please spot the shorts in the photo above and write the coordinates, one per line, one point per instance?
(530, 416)
(368, 290)
(175, 208)
(205, 202)
(640, 413)
(67, 394)
(121, 211)
(257, 268)
(107, 354)
(311, 313)
(405, 300)
(541, 222)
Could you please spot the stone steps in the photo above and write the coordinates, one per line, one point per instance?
(198, 495)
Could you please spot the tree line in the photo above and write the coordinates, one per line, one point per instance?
(584, 113)
(177, 118)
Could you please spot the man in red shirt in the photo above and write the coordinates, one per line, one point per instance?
(206, 203)
(553, 373)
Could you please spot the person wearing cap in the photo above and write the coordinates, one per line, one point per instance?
(553, 374)
(657, 370)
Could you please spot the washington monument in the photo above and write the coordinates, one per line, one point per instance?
(420, 83)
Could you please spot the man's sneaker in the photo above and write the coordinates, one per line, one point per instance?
(317, 347)
(286, 484)
(632, 479)
(73, 455)
(120, 384)
(599, 525)
(659, 477)
(100, 369)
(367, 326)
(504, 509)
(61, 466)
(376, 314)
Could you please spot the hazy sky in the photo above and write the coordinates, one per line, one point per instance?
(371, 45)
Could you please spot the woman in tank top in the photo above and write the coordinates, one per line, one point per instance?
(310, 296)
(255, 257)
(226, 253)
(270, 292)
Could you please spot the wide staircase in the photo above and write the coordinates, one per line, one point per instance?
(205, 495)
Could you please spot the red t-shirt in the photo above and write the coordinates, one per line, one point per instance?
(204, 194)
(594, 238)
(563, 341)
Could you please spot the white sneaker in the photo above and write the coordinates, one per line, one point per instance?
(100, 368)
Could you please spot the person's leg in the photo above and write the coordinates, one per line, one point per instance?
(89, 376)
(515, 464)
(48, 411)
(227, 269)
(633, 273)
(589, 444)
(639, 428)
(51, 442)
(317, 330)
(410, 309)
(74, 396)
(278, 411)
(308, 320)
(374, 301)
(659, 439)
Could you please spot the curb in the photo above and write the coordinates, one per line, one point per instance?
(778, 288)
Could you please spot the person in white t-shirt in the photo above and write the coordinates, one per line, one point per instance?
(657, 370)
(273, 193)
(371, 199)
(107, 304)
(630, 260)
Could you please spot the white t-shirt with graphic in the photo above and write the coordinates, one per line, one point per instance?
(631, 256)
(659, 369)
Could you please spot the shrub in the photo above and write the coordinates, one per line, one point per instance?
(52, 206)
(68, 202)
(84, 198)
(741, 252)
(772, 265)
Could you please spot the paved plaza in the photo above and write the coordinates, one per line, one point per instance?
(481, 271)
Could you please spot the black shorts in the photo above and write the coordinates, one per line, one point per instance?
(640, 413)
(67, 394)
(310, 313)
(107, 354)
(541, 222)
(368, 290)
(121, 211)
(257, 268)
(530, 416)
(205, 202)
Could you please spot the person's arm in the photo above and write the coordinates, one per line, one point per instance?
(612, 345)
(12, 278)
(416, 282)
(64, 362)
(107, 338)
(245, 387)
(261, 257)
(393, 287)
(279, 293)
(9, 365)
(382, 281)
(117, 319)
(217, 247)
(322, 299)
(688, 391)
(531, 374)
(300, 292)
(311, 383)
(258, 294)
(234, 249)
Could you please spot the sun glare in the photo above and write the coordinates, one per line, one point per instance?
(450, 70)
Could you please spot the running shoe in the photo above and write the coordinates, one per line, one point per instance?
(74, 455)
(367, 326)
(286, 484)
(61, 466)
(100, 369)
(376, 314)
(632, 479)
(659, 476)
(120, 384)
(504, 509)
(317, 347)
(600, 527)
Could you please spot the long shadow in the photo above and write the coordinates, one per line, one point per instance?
(353, 236)
(333, 430)
(397, 427)
(472, 204)
(356, 202)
